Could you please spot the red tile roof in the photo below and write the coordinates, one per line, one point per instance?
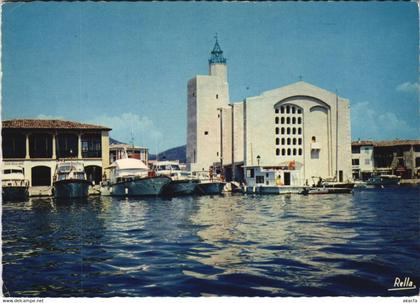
(386, 143)
(49, 124)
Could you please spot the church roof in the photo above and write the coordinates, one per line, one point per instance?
(49, 124)
(216, 55)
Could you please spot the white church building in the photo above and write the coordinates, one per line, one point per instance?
(298, 124)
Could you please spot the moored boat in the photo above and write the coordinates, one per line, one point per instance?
(326, 190)
(70, 181)
(131, 177)
(14, 185)
(384, 180)
(210, 187)
(182, 182)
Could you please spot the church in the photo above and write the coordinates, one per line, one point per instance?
(298, 126)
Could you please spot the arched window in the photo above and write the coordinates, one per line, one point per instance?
(293, 120)
(294, 130)
(283, 141)
(300, 141)
(299, 120)
(282, 109)
(300, 152)
(282, 130)
(288, 120)
(289, 151)
(288, 130)
(277, 151)
(277, 130)
(293, 110)
(288, 141)
(277, 120)
(283, 152)
(299, 130)
(288, 109)
(282, 120)
(299, 111)
(313, 139)
(277, 141)
(294, 141)
(294, 152)
(276, 110)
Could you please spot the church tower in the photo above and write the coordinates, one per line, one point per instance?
(207, 95)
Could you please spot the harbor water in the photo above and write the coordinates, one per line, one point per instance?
(232, 245)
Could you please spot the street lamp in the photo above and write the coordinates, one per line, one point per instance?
(258, 160)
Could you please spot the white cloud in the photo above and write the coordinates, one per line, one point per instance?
(129, 125)
(47, 117)
(408, 87)
(367, 123)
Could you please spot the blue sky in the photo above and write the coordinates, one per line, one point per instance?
(126, 65)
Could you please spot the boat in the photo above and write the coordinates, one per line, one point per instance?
(209, 184)
(326, 190)
(182, 182)
(332, 183)
(14, 185)
(384, 180)
(273, 180)
(131, 177)
(70, 181)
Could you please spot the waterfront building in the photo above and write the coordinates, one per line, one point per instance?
(397, 157)
(298, 124)
(121, 150)
(37, 145)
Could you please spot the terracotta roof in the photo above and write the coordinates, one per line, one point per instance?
(49, 124)
(386, 143)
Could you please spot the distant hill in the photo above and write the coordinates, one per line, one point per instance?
(113, 141)
(175, 153)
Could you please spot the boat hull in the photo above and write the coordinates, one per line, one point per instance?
(327, 190)
(69, 189)
(383, 182)
(180, 187)
(211, 188)
(337, 185)
(15, 193)
(273, 190)
(149, 186)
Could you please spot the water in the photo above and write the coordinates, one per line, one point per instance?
(325, 245)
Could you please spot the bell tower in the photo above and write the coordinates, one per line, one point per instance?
(217, 63)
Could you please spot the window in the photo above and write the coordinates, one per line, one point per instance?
(300, 141)
(294, 152)
(217, 96)
(288, 130)
(294, 141)
(300, 152)
(250, 173)
(283, 152)
(277, 141)
(417, 162)
(293, 120)
(289, 151)
(355, 149)
(355, 161)
(293, 110)
(277, 151)
(288, 109)
(282, 130)
(288, 120)
(294, 131)
(313, 139)
(288, 141)
(282, 120)
(259, 179)
(277, 130)
(206, 133)
(277, 120)
(282, 109)
(299, 120)
(276, 110)
(283, 141)
(299, 111)
(299, 131)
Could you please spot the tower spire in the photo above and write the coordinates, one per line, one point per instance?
(216, 55)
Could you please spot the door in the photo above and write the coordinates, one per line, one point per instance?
(286, 178)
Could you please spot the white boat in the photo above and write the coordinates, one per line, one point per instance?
(14, 185)
(131, 177)
(384, 181)
(209, 184)
(272, 180)
(182, 182)
(70, 181)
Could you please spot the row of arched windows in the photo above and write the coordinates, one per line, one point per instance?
(289, 130)
(288, 120)
(289, 151)
(289, 141)
(288, 109)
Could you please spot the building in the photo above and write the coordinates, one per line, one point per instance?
(399, 157)
(121, 150)
(37, 145)
(298, 123)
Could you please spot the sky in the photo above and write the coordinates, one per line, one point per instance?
(126, 65)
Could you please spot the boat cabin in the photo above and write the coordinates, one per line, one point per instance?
(272, 176)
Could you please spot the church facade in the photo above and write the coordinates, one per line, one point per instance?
(298, 124)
